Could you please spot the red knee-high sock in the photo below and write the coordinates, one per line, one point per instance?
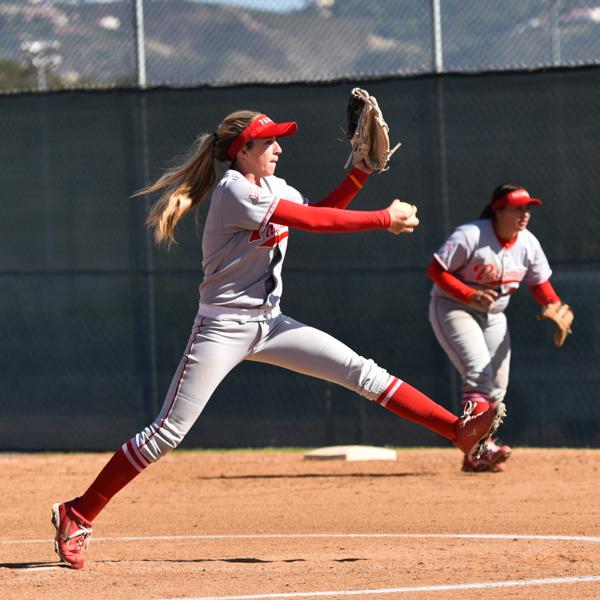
(124, 466)
(481, 400)
(407, 402)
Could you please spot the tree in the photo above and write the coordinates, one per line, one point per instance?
(15, 77)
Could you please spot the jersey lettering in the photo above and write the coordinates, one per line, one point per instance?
(486, 272)
(493, 275)
(272, 235)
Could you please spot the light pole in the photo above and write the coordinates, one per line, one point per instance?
(43, 55)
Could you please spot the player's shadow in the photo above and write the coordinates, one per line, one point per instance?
(314, 475)
(33, 565)
(239, 560)
(242, 560)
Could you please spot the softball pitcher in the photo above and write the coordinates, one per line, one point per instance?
(239, 318)
(475, 273)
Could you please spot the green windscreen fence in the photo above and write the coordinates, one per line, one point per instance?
(94, 319)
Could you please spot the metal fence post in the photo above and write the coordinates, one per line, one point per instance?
(149, 288)
(140, 43)
(438, 53)
(555, 26)
(438, 56)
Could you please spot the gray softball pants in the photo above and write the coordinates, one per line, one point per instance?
(477, 344)
(216, 346)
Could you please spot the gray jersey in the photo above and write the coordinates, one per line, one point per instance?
(474, 255)
(243, 256)
(242, 252)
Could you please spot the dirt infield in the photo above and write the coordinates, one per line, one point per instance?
(270, 524)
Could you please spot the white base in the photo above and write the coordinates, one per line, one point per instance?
(351, 453)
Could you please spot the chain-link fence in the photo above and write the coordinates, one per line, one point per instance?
(85, 44)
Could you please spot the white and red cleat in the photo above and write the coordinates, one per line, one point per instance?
(492, 458)
(473, 430)
(72, 534)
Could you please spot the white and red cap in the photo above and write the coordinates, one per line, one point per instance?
(517, 197)
(260, 127)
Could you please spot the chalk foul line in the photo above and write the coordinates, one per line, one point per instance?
(251, 536)
(485, 585)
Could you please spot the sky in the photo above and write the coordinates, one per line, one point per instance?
(271, 5)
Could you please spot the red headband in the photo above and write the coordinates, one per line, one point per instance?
(518, 197)
(260, 127)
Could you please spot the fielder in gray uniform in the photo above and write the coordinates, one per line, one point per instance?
(239, 317)
(475, 273)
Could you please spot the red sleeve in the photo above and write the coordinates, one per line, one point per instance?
(449, 283)
(544, 293)
(345, 192)
(328, 220)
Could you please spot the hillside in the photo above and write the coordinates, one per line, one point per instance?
(189, 43)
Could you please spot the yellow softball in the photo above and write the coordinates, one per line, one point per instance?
(406, 207)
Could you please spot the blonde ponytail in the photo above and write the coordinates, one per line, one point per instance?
(188, 183)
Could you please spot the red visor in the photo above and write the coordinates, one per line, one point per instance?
(261, 127)
(518, 197)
